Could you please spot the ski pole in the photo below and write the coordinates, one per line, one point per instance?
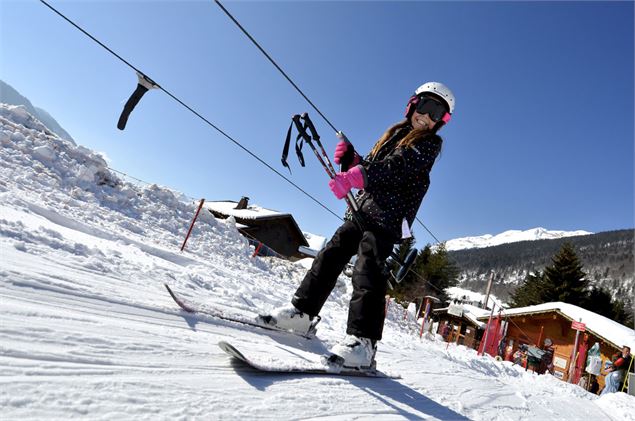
(326, 162)
(316, 138)
(305, 136)
(350, 199)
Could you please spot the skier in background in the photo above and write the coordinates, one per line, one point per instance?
(393, 179)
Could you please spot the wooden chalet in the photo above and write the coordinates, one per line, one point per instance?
(560, 323)
(271, 232)
(462, 320)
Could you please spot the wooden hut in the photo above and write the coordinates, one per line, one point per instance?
(271, 232)
(464, 327)
(560, 323)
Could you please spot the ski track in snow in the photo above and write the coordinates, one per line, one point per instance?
(88, 330)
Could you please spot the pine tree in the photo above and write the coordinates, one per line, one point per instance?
(531, 291)
(565, 280)
(566, 277)
(441, 273)
(432, 272)
(623, 308)
(599, 301)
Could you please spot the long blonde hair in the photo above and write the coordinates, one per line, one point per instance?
(408, 141)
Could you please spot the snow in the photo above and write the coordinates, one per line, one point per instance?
(510, 236)
(88, 330)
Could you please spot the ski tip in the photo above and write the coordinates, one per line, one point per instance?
(178, 301)
(232, 351)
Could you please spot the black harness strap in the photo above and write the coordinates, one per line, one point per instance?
(302, 137)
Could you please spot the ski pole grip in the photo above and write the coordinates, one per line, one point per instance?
(310, 126)
(347, 159)
(341, 136)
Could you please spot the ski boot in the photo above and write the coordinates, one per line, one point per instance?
(354, 352)
(290, 319)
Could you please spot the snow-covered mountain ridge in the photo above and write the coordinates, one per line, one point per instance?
(511, 236)
(10, 96)
(88, 330)
(607, 259)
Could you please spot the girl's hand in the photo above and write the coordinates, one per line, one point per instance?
(345, 154)
(343, 182)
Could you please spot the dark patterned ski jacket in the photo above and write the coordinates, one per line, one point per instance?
(396, 181)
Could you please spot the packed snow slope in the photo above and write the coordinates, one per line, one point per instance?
(88, 330)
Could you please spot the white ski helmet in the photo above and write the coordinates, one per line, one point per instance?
(440, 90)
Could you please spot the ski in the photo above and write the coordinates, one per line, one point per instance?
(189, 308)
(325, 365)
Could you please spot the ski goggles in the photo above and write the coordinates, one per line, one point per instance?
(436, 110)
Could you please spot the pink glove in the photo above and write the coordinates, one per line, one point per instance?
(345, 154)
(345, 181)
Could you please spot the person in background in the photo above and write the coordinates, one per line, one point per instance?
(520, 356)
(446, 330)
(546, 361)
(594, 386)
(617, 372)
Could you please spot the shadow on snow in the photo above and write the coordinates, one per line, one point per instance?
(389, 392)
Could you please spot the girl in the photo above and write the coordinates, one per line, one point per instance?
(392, 180)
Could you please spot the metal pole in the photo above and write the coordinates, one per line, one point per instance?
(489, 288)
(573, 362)
(487, 329)
(200, 205)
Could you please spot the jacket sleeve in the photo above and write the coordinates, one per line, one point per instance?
(618, 364)
(402, 162)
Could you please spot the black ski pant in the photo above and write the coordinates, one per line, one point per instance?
(366, 312)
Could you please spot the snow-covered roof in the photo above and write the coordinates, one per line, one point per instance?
(316, 243)
(609, 330)
(457, 293)
(472, 313)
(252, 211)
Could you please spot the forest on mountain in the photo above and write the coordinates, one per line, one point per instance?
(563, 277)
(607, 258)
(566, 281)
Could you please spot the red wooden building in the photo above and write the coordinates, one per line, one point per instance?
(559, 322)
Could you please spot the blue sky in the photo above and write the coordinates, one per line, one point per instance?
(542, 133)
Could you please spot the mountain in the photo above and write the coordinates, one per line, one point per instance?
(10, 96)
(89, 331)
(511, 236)
(607, 257)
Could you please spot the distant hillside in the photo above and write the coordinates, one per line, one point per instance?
(511, 236)
(8, 95)
(608, 259)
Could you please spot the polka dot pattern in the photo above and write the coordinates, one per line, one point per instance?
(397, 179)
